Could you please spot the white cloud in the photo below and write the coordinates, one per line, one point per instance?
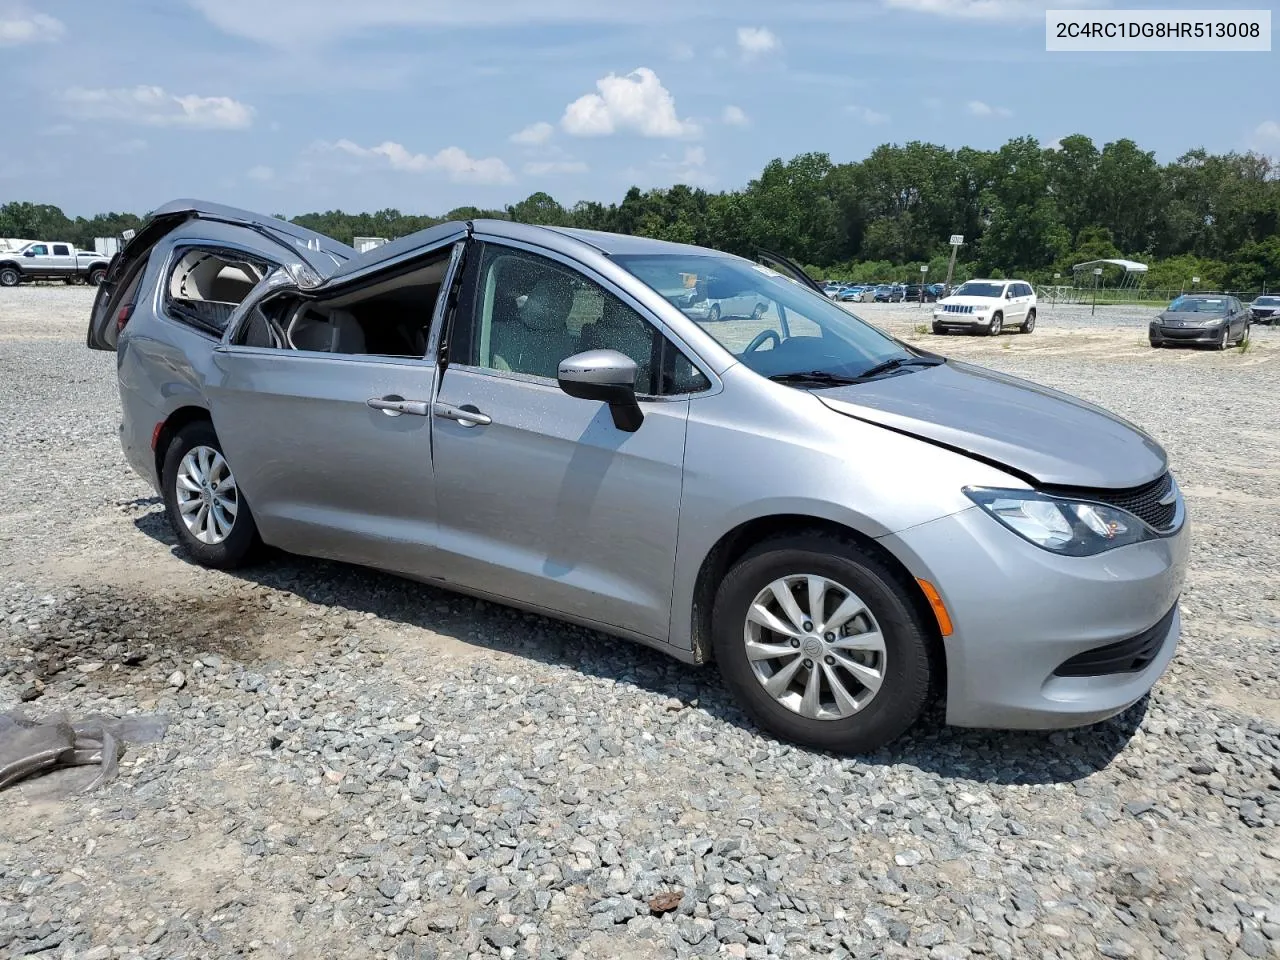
(1268, 132)
(156, 107)
(452, 161)
(261, 173)
(756, 41)
(638, 103)
(18, 25)
(688, 168)
(735, 117)
(979, 109)
(867, 115)
(542, 168)
(986, 9)
(534, 134)
(312, 23)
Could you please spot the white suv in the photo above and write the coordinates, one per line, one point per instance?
(987, 306)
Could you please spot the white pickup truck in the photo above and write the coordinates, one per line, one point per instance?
(45, 260)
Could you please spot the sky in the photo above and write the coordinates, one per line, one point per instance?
(292, 106)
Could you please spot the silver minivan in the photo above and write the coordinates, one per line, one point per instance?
(848, 525)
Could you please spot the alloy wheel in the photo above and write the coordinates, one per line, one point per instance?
(208, 498)
(815, 647)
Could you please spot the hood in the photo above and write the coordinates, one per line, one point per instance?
(1191, 316)
(1047, 437)
(968, 301)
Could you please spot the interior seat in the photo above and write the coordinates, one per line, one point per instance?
(621, 328)
(334, 331)
(538, 338)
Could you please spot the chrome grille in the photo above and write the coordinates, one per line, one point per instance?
(955, 308)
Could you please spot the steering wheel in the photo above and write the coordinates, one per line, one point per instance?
(760, 338)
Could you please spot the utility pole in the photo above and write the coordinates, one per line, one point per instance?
(957, 241)
(1097, 272)
(923, 272)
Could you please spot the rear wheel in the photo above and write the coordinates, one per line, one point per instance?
(9, 277)
(714, 315)
(1029, 324)
(96, 276)
(758, 312)
(997, 325)
(822, 644)
(203, 501)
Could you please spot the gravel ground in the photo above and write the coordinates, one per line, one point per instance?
(359, 766)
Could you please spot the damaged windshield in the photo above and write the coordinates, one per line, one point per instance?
(772, 324)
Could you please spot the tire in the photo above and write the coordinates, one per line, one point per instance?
(904, 663)
(1029, 324)
(1226, 339)
(714, 315)
(96, 276)
(226, 548)
(938, 330)
(9, 277)
(758, 312)
(996, 325)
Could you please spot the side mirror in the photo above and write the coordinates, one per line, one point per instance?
(28, 253)
(606, 376)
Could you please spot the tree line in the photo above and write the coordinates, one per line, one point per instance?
(1024, 209)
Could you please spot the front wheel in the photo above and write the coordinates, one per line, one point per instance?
(997, 325)
(1029, 324)
(822, 644)
(9, 277)
(203, 501)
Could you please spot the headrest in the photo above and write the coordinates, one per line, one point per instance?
(548, 305)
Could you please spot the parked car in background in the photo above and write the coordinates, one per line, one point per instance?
(844, 523)
(857, 294)
(888, 293)
(51, 260)
(987, 306)
(919, 293)
(1208, 319)
(934, 292)
(832, 289)
(1265, 309)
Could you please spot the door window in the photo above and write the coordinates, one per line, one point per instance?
(40, 250)
(386, 317)
(527, 313)
(61, 250)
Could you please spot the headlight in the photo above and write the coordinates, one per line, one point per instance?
(1069, 527)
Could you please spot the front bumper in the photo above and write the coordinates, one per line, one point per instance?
(1020, 613)
(1190, 335)
(960, 321)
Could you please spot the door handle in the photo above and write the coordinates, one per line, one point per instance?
(393, 406)
(466, 415)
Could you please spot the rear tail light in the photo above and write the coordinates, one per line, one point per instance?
(123, 316)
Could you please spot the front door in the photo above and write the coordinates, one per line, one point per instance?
(542, 500)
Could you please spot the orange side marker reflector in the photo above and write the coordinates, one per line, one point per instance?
(939, 609)
(155, 438)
